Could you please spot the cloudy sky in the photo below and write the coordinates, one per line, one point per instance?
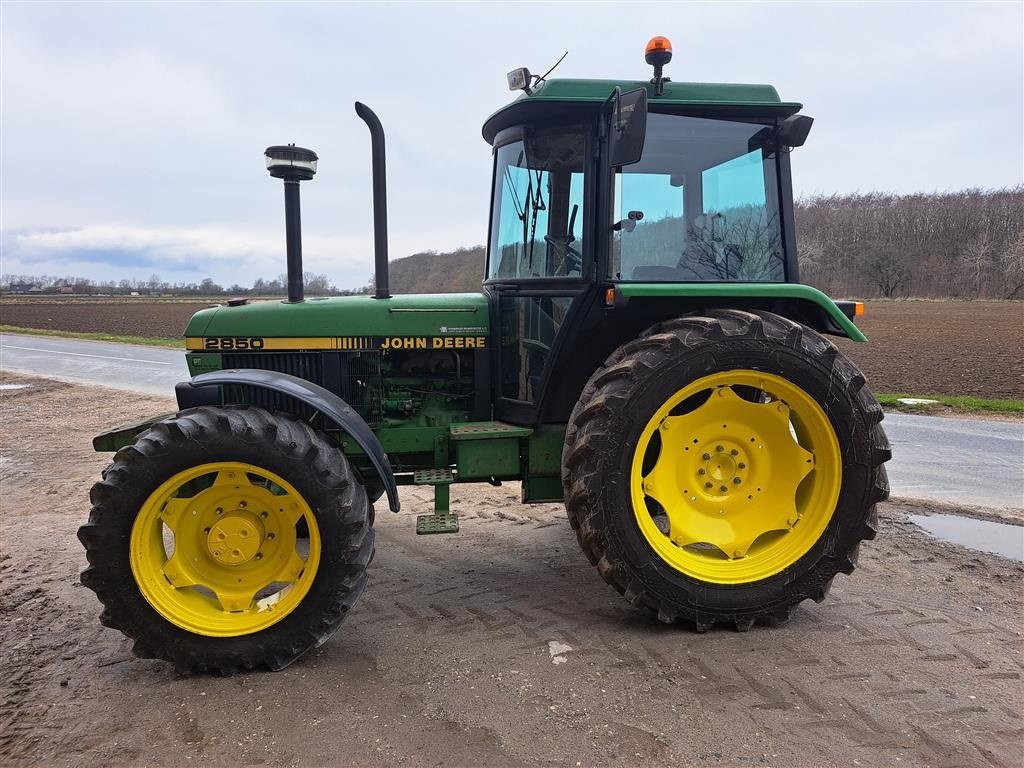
(132, 134)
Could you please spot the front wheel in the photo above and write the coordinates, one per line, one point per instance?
(227, 539)
(725, 467)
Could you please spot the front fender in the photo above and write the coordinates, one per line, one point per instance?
(202, 390)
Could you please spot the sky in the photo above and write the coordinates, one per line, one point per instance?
(132, 134)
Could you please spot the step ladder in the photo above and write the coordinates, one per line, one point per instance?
(443, 520)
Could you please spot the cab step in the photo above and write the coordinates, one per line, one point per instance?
(443, 520)
(433, 477)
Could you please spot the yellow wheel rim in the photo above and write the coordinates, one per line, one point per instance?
(215, 549)
(735, 477)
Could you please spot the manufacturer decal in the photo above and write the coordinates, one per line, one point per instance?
(344, 343)
(434, 342)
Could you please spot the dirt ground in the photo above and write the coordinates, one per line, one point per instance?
(942, 347)
(920, 347)
(914, 660)
(121, 317)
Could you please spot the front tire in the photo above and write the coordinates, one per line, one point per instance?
(227, 539)
(724, 467)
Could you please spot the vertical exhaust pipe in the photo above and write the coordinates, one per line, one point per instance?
(292, 164)
(380, 201)
(293, 241)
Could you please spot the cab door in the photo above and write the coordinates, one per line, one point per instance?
(540, 260)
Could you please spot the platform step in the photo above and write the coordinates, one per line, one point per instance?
(433, 477)
(443, 522)
(487, 430)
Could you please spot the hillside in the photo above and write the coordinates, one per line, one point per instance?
(432, 272)
(964, 245)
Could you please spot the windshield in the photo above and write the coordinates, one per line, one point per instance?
(537, 219)
(701, 205)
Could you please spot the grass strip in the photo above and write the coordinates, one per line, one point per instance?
(148, 341)
(959, 402)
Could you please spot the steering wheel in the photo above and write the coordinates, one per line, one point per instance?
(572, 260)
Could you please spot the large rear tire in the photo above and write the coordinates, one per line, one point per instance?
(725, 467)
(227, 539)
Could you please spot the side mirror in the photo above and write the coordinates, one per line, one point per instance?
(793, 131)
(628, 126)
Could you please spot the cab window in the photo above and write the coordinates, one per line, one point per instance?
(700, 205)
(537, 218)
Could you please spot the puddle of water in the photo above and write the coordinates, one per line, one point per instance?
(983, 535)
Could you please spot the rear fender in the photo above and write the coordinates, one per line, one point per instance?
(205, 390)
(798, 302)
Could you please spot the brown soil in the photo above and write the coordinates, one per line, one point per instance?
(919, 347)
(915, 659)
(943, 347)
(124, 317)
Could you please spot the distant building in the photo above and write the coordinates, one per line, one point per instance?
(21, 287)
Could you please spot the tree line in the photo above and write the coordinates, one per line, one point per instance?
(314, 284)
(954, 245)
(942, 245)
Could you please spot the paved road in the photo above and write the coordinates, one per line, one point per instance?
(951, 460)
(151, 370)
(959, 460)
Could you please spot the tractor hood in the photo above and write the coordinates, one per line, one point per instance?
(330, 323)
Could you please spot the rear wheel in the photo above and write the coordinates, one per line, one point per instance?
(725, 467)
(227, 539)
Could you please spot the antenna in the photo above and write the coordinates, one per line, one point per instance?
(543, 77)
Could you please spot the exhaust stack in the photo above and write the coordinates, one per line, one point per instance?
(292, 164)
(380, 202)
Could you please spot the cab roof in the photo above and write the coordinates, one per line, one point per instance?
(560, 98)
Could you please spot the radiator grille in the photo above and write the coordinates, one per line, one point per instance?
(305, 365)
(361, 385)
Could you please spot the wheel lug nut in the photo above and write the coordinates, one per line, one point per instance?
(719, 448)
(701, 471)
(220, 511)
(741, 465)
(736, 480)
(724, 488)
(708, 485)
(706, 456)
(263, 514)
(734, 452)
(206, 530)
(242, 504)
(270, 535)
(259, 555)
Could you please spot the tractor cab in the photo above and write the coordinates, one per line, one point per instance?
(603, 189)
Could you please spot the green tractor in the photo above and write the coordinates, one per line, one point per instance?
(642, 349)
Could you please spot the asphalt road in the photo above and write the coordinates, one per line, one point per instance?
(151, 370)
(960, 461)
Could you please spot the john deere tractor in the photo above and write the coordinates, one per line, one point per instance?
(642, 348)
